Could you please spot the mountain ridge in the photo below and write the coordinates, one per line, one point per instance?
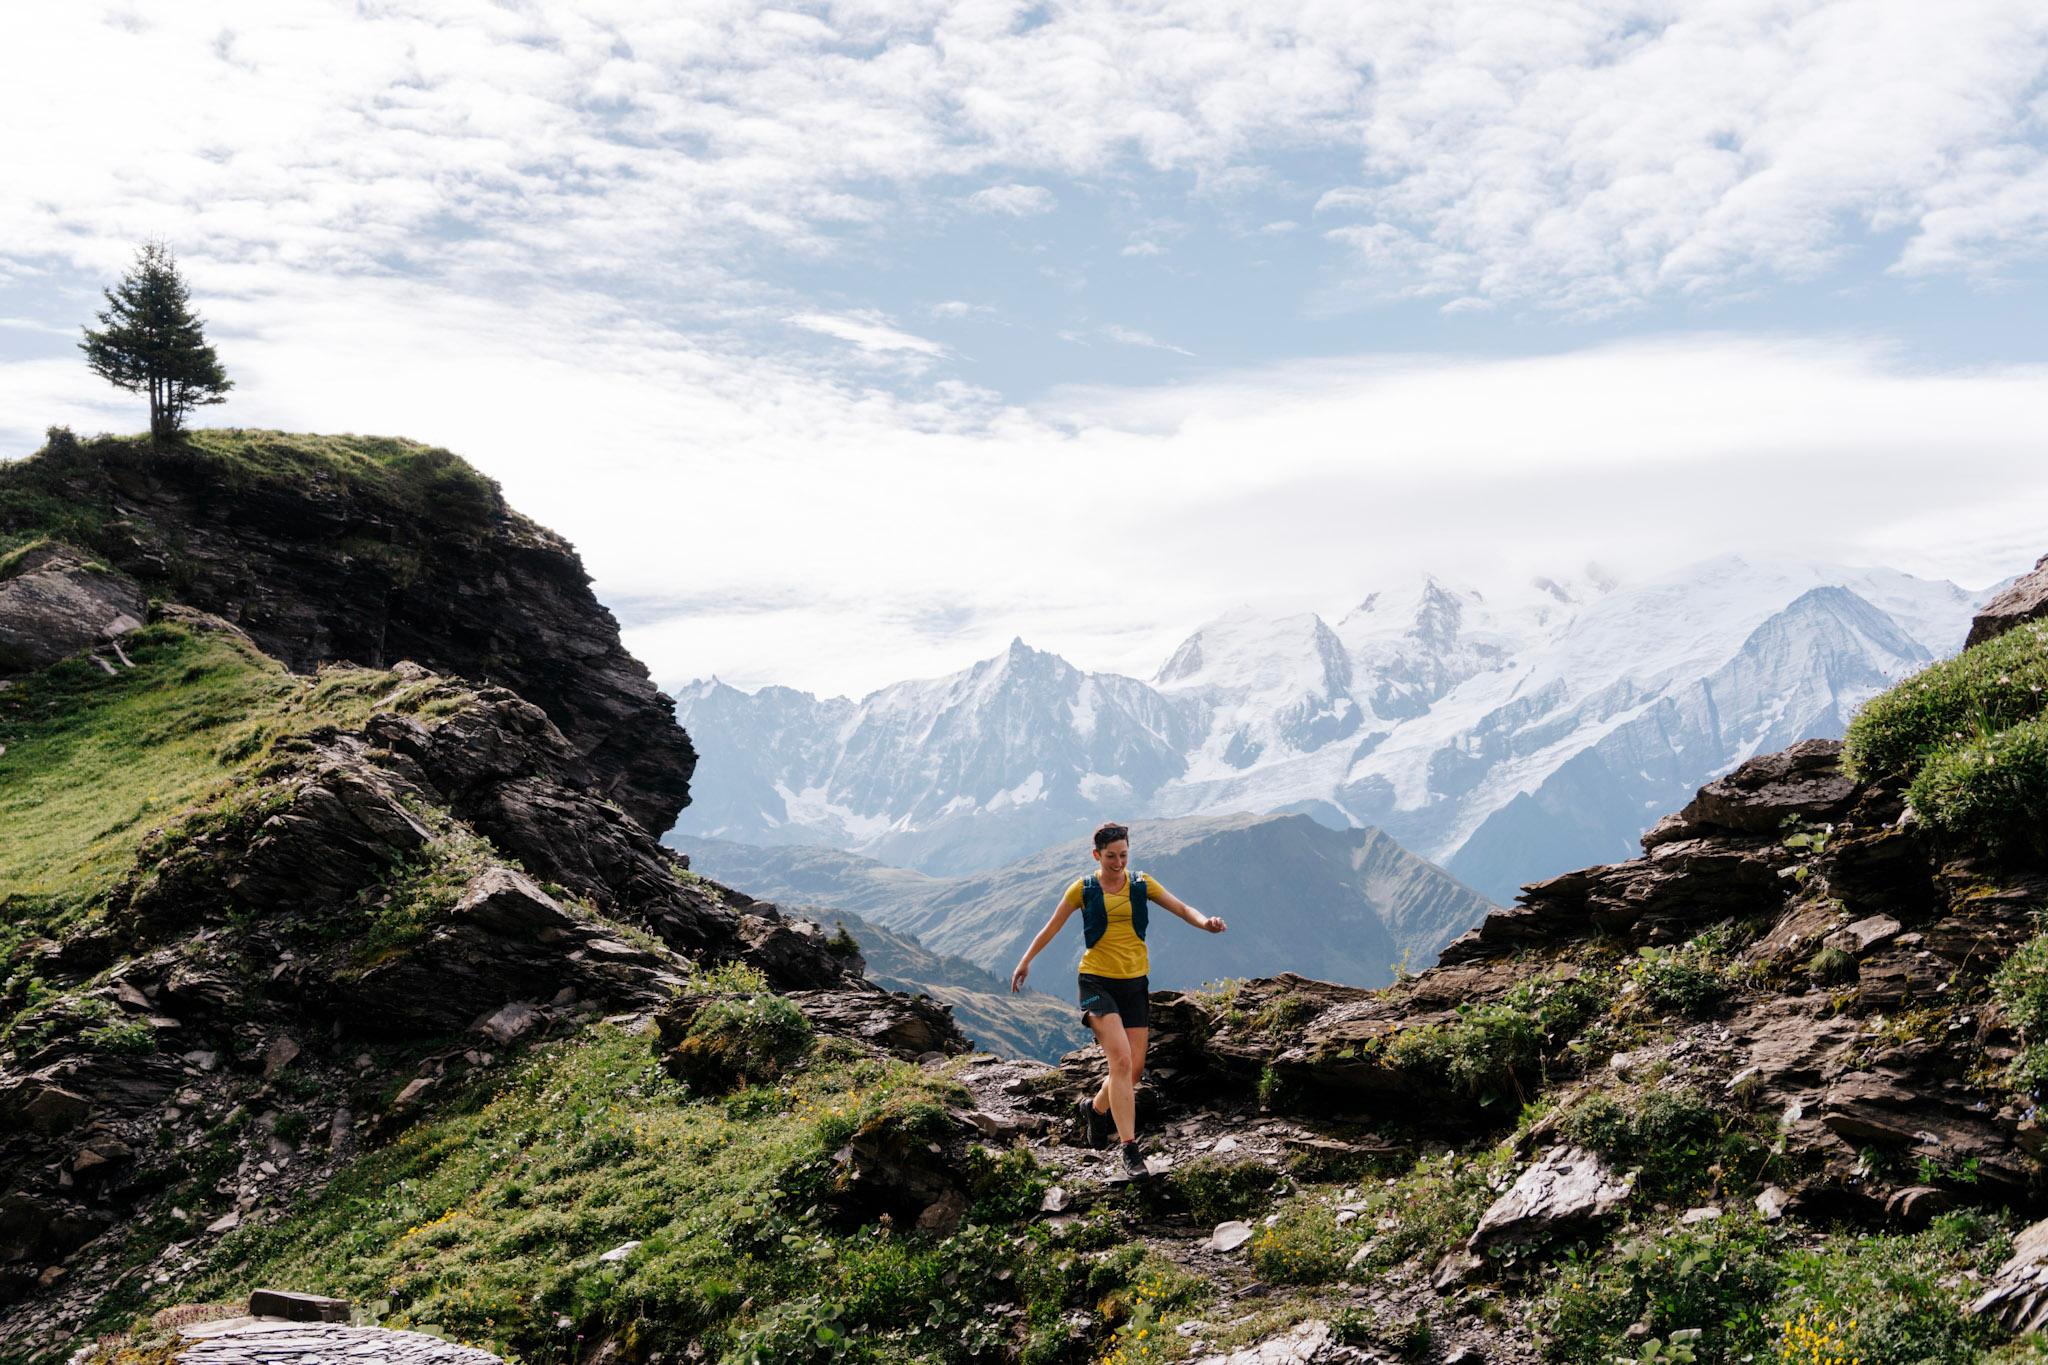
(1425, 711)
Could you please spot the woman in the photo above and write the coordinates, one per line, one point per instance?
(1114, 1003)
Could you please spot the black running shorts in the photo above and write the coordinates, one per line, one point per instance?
(1121, 995)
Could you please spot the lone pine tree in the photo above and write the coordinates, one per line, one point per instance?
(152, 342)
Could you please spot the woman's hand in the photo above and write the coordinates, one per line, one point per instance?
(1214, 923)
(1017, 977)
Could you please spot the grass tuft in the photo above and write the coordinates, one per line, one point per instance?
(1966, 699)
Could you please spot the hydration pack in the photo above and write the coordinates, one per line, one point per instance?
(1095, 914)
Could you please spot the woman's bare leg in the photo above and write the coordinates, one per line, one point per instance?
(1136, 1038)
(1116, 1050)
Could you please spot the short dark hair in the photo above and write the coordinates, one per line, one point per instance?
(1108, 833)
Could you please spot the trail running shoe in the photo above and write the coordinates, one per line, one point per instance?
(1134, 1162)
(1094, 1126)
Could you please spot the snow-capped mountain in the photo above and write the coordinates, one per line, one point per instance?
(1506, 735)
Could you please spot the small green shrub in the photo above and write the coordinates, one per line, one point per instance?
(740, 1040)
(1679, 980)
(1491, 1050)
(1679, 1140)
(1719, 1277)
(1883, 1298)
(2021, 988)
(1968, 698)
(843, 944)
(728, 978)
(1990, 790)
(132, 1036)
(1434, 1206)
(1004, 1188)
(1217, 1188)
(1833, 967)
(1284, 1013)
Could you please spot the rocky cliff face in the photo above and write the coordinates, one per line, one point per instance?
(253, 923)
(374, 914)
(369, 551)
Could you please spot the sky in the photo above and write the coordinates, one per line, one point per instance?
(849, 341)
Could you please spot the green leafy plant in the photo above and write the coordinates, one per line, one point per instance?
(1676, 1349)
(2020, 987)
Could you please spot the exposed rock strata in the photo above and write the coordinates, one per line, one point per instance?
(55, 601)
(235, 951)
(318, 569)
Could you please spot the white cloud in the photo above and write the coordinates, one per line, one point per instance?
(1142, 247)
(867, 332)
(1131, 336)
(1019, 201)
(1584, 158)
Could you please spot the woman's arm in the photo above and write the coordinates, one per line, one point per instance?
(1213, 923)
(1060, 915)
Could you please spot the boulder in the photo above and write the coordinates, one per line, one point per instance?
(1569, 1189)
(1864, 934)
(2025, 600)
(56, 600)
(509, 1023)
(1307, 1343)
(2018, 1296)
(909, 1170)
(40, 1105)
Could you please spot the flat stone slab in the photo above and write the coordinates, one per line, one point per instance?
(273, 1342)
(286, 1303)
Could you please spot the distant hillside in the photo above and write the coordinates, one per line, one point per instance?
(1030, 1023)
(1340, 905)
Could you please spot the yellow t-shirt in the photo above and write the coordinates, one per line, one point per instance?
(1119, 953)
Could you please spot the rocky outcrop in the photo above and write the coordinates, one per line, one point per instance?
(55, 601)
(1723, 854)
(1839, 915)
(2025, 600)
(268, 958)
(320, 562)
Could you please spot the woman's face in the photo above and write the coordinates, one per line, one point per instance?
(1114, 858)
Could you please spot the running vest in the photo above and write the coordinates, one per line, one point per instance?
(1095, 915)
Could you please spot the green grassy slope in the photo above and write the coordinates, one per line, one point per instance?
(487, 1223)
(93, 764)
